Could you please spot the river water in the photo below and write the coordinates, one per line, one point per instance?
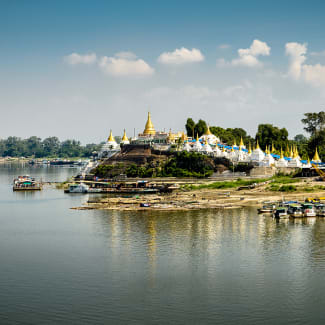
(64, 266)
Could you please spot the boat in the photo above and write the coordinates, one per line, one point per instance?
(308, 210)
(295, 211)
(77, 188)
(281, 213)
(26, 183)
(145, 205)
(320, 210)
(265, 209)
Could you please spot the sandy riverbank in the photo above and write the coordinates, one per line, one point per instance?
(201, 199)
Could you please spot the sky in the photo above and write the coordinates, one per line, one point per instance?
(76, 69)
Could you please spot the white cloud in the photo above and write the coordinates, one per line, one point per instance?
(248, 57)
(125, 65)
(312, 74)
(296, 52)
(181, 56)
(75, 58)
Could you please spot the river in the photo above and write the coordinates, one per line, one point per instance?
(64, 266)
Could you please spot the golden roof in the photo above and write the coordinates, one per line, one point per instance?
(111, 138)
(125, 138)
(257, 145)
(316, 156)
(208, 131)
(149, 128)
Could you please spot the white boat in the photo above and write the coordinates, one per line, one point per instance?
(77, 188)
(309, 210)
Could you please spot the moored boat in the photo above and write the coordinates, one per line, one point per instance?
(77, 188)
(281, 213)
(308, 210)
(295, 211)
(26, 183)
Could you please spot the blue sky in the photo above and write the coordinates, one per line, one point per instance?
(84, 96)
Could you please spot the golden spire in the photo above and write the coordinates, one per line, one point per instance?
(257, 145)
(316, 156)
(291, 153)
(273, 149)
(232, 149)
(288, 150)
(249, 149)
(184, 137)
(208, 131)
(235, 145)
(281, 155)
(223, 149)
(308, 161)
(266, 150)
(241, 142)
(197, 137)
(149, 128)
(111, 138)
(124, 138)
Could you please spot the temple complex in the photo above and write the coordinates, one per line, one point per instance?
(208, 144)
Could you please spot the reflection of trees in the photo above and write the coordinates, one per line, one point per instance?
(207, 237)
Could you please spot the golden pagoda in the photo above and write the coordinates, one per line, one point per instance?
(125, 139)
(235, 144)
(149, 128)
(241, 142)
(249, 149)
(111, 138)
(316, 156)
(208, 132)
(273, 149)
(183, 137)
(281, 155)
(257, 145)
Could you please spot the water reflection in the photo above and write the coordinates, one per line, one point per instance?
(223, 266)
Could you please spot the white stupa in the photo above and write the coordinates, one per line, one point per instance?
(209, 137)
(125, 139)
(281, 162)
(268, 160)
(217, 151)
(207, 148)
(197, 145)
(187, 147)
(257, 154)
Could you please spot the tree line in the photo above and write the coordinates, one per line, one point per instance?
(268, 135)
(49, 147)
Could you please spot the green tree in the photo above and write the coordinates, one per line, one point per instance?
(200, 128)
(190, 126)
(268, 134)
(314, 122)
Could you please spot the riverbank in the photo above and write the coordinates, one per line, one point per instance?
(209, 198)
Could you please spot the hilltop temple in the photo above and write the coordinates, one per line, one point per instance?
(208, 144)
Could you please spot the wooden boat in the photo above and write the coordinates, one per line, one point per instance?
(266, 209)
